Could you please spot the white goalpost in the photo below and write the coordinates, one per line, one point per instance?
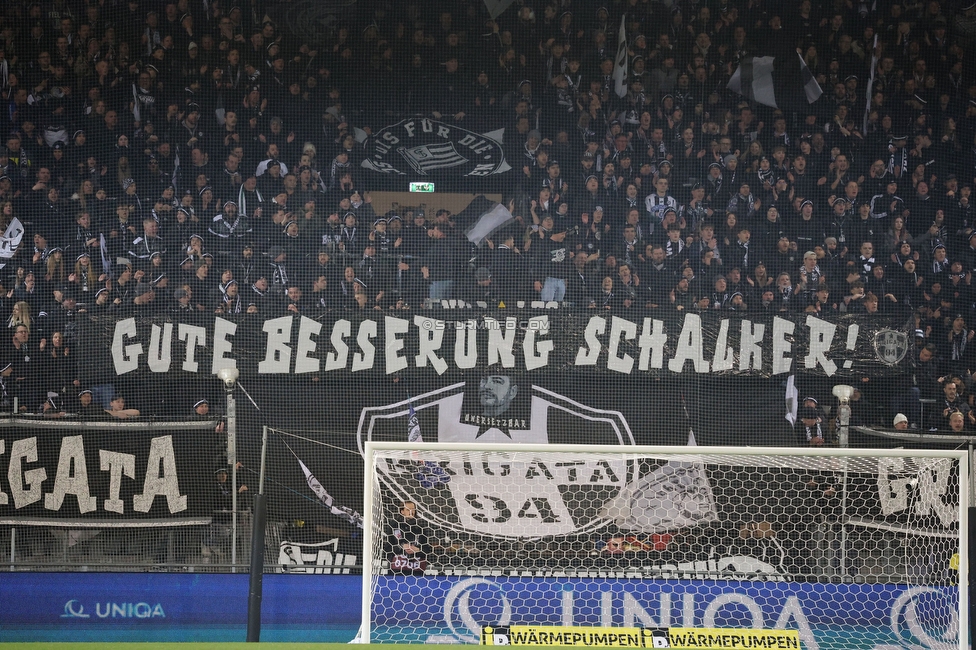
(845, 548)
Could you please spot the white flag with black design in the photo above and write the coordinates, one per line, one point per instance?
(496, 7)
(481, 219)
(675, 495)
(429, 473)
(10, 241)
(778, 81)
(489, 223)
(620, 62)
(343, 512)
(792, 400)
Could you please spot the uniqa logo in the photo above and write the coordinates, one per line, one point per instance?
(925, 618)
(473, 601)
(74, 609)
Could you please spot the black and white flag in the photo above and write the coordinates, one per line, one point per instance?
(792, 400)
(10, 240)
(675, 495)
(489, 223)
(776, 81)
(496, 7)
(342, 512)
(428, 147)
(620, 67)
(429, 473)
(481, 219)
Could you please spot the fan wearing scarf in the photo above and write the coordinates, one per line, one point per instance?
(229, 227)
(959, 345)
(810, 427)
(898, 159)
(952, 403)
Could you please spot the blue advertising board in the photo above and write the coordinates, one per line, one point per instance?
(326, 608)
(175, 607)
(852, 616)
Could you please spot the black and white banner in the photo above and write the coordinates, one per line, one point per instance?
(450, 342)
(106, 477)
(674, 495)
(494, 495)
(328, 557)
(532, 495)
(466, 375)
(428, 147)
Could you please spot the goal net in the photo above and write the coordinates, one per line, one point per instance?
(852, 548)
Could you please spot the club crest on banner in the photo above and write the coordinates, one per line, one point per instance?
(496, 495)
(674, 495)
(429, 147)
(891, 346)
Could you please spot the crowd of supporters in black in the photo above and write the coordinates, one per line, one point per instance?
(199, 156)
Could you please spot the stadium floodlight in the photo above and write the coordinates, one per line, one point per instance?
(228, 376)
(846, 547)
(843, 392)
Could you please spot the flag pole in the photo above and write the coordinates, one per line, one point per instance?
(692, 441)
(870, 86)
(256, 587)
(620, 64)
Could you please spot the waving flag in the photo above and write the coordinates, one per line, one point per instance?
(675, 495)
(488, 224)
(620, 62)
(776, 81)
(10, 241)
(431, 474)
(342, 512)
(496, 7)
(482, 219)
(413, 427)
(792, 400)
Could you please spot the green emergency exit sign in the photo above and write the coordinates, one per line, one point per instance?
(421, 187)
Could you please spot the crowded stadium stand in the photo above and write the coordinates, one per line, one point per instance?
(465, 221)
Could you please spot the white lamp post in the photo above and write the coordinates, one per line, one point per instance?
(843, 394)
(228, 376)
